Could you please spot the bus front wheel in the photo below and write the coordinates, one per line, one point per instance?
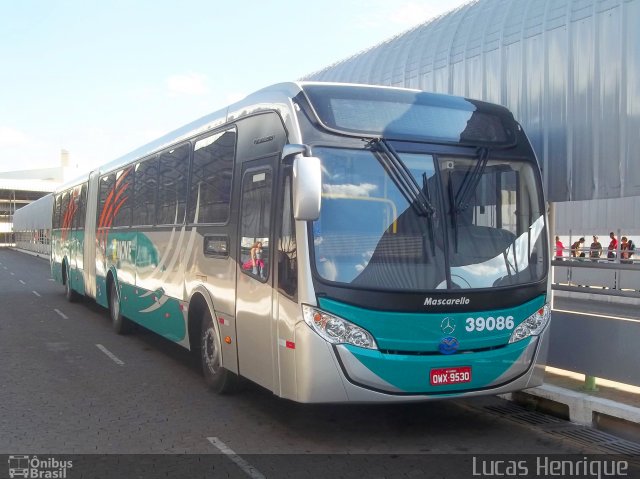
(121, 325)
(217, 378)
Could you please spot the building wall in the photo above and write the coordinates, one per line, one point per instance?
(599, 217)
(20, 188)
(568, 69)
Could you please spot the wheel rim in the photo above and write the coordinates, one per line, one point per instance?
(210, 350)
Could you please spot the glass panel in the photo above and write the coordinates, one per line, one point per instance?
(106, 196)
(65, 219)
(75, 199)
(56, 211)
(371, 235)
(82, 207)
(497, 236)
(172, 190)
(255, 223)
(368, 233)
(287, 246)
(146, 186)
(122, 205)
(411, 115)
(211, 177)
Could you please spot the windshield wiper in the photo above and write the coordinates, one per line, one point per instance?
(471, 180)
(418, 198)
(403, 178)
(460, 201)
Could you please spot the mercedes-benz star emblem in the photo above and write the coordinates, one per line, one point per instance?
(448, 325)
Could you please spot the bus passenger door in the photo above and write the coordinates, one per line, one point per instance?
(254, 301)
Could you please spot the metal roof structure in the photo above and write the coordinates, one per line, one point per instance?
(569, 70)
(34, 216)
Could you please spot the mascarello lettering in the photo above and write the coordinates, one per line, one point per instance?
(430, 301)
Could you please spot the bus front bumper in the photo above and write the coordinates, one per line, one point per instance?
(345, 373)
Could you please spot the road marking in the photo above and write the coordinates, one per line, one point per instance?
(51, 279)
(60, 313)
(37, 294)
(112, 356)
(12, 273)
(22, 281)
(602, 316)
(241, 463)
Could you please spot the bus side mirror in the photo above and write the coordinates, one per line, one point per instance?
(307, 187)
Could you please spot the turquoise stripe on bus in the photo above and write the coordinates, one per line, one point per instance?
(165, 318)
(422, 332)
(411, 373)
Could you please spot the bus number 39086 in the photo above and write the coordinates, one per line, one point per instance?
(480, 324)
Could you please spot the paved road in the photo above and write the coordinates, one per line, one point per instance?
(69, 385)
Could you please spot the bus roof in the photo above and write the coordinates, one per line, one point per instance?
(277, 97)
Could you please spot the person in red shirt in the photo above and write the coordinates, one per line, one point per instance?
(613, 246)
(559, 248)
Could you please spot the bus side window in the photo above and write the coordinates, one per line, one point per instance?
(106, 194)
(211, 176)
(255, 224)
(120, 214)
(82, 207)
(287, 246)
(56, 212)
(172, 186)
(64, 211)
(80, 198)
(145, 190)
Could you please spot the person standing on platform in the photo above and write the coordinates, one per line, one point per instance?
(595, 250)
(576, 249)
(613, 246)
(559, 248)
(626, 250)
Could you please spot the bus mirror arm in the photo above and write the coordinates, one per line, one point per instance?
(290, 151)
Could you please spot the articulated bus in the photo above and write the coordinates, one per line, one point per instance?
(329, 242)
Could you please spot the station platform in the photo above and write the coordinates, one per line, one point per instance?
(612, 406)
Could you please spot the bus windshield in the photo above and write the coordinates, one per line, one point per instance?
(372, 234)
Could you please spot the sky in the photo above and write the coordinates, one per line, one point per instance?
(100, 78)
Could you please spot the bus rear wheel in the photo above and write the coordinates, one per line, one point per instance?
(217, 378)
(121, 325)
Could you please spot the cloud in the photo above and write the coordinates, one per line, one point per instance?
(188, 84)
(364, 189)
(11, 137)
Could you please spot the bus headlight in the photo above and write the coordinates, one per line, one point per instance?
(533, 325)
(337, 330)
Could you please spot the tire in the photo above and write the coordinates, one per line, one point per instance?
(120, 324)
(217, 378)
(69, 293)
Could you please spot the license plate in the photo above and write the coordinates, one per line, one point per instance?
(445, 376)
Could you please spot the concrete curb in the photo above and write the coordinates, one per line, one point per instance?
(32, 253)
(582, 406)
